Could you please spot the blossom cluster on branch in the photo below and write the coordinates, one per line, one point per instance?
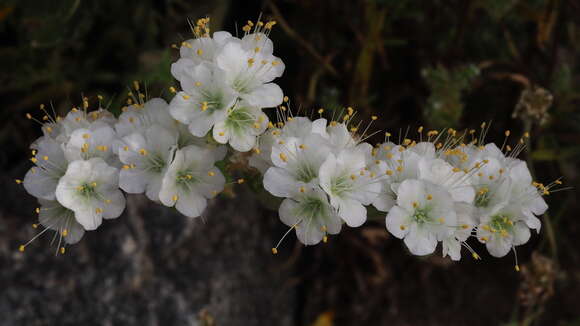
(439, 187)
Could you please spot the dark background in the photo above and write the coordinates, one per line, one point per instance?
(437, 63)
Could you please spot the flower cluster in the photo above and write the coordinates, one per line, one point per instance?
(226, 82)
(443, 187)
(85, 160)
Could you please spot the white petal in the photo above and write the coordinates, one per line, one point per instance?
(420, 241)
(266, 96)
(191, 204)
(352, 212)
(40, 184)
(397, 222)
(280, 182)
(521, 234)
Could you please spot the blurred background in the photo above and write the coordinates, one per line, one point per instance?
(432, 63)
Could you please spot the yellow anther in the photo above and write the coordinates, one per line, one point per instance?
(211, 173)
(429, 197)
(465, 226)
(175, 198)
(285, 99)
(257, 49)
(131, 119)
(186, 97)
(250, 62)
(37, 210)
(143, 151)
(484, 239)
(21, 248)
(283, 157)
(374, 117)
(98, 210)
(18, 181)
(62, 250)
(353, 177)
(389, 172)
(302, 146)
(275, 63)
(456, 170)
(274, 251)
(93, 184)
(399, 168)
(257, 150)
(441, 220)
(240, 181)
(33, 159)
(86, 136)
(475, 256)
(320, 110)
(107, 201)
(325, 239)
(302, 189)
(517, 267)
(415, 204)
(354, 129)
(507, 133)
(64, 232)
(256, 125)
(402, 227)
(221, 133)
(197, 84)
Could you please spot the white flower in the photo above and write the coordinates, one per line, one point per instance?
(197, 51)
(241, 126)
(41, 180)
(53, 216)
(190, 179)
(455, 180)
(393, 164)
(250, 71)
(146, 158)
(204, 101)
(349, 185)
(503, 231)
(90, 189)
(310, 214)
(139, 117)
(297, 163)
(261, 156)
(424, 215)
(461, 232)
(95, 141)
(294, 127)
(524, 196)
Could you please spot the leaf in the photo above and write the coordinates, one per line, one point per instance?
(324, 319)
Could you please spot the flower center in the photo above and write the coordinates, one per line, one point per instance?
(421, 215)
(239, 120)
(186, 178)
(305, 173)
(155, 163)
(340, 185)
(87, 190)
(482, 198)
(501, 223)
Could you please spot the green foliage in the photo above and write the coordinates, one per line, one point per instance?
(445, 104)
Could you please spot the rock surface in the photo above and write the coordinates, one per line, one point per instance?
(151, 266)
